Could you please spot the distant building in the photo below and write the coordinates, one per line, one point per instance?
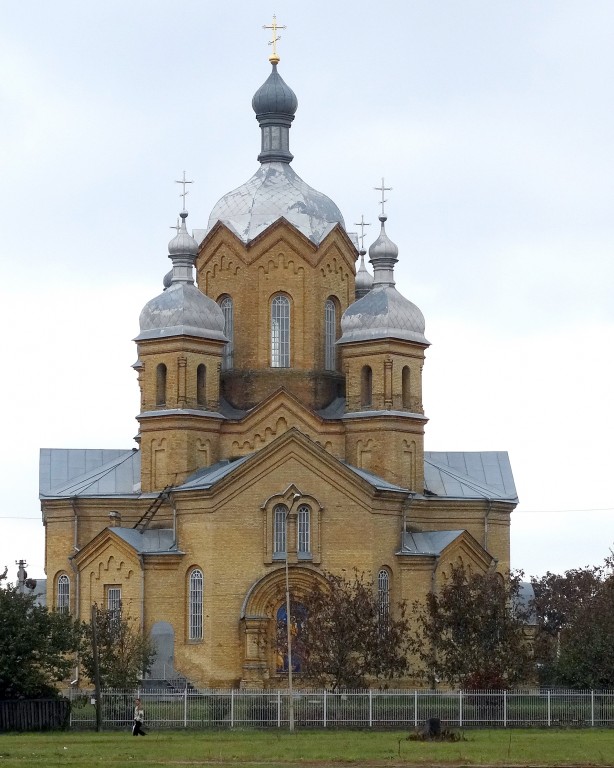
(281, 417)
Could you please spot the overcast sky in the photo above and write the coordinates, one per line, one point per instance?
(492, 120)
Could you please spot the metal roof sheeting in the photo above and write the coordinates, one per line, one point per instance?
(472, 475)
(89, 472)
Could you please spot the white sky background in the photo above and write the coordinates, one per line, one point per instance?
(493, 121)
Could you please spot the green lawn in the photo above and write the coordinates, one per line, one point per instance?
(307, 748)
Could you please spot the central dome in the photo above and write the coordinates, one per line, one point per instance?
(275, 191)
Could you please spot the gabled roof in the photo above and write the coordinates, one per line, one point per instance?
(153, 541)
(89, 472)
(207, 477)
(469, 475)
(427, 542)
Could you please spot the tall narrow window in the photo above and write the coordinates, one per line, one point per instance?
(366, 386)
(228, 310)
(161, 384)
(406, 387)
(195, 605)
(383, 596)
(304, 532)
(201, 385)
(330, 332)
(280, 332)
(114, 605)
(280, 514)
(63, 599)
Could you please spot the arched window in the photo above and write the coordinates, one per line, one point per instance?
(383, 596)
(195, 605)
(63, 597)
(161, 384)
(280, 332)
(201, 384)
(304, 529)
(366, 386)
(406, 387)
(330, 334)
(228, 310)
(280, 515)
(298, 614)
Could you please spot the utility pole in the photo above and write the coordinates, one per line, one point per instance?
(96, 667)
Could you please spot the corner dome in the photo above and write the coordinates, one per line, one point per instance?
(275, 191)
(383, 313)
(181, 310)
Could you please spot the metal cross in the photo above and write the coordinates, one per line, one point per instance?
(176, 226)
(362, 224)
(183, 182)
(383, 189)
(274, 37)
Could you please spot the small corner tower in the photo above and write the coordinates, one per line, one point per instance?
(180, 347)
(383, 346)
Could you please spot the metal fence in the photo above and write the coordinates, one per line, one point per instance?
(188, 708)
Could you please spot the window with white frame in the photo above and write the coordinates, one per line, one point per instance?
(330, 332)
(383, 595)
(280, 332)
(63, 596)
(304, 529)
(195, 605)
(114, 605)
(227, 308)
(280, 519)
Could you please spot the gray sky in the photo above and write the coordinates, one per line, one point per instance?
(491, 119)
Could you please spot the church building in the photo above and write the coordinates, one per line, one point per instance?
(281, 425)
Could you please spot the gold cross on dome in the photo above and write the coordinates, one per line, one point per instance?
(274, 58)
(183, 182)
(362, 224)
(383, 189)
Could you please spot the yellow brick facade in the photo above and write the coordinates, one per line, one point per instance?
(223, 445)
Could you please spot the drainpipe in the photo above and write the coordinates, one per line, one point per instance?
(75, 543)
(142, 562)
(486, 516)
(75, 569)
(433, 572)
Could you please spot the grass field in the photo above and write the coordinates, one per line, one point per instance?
(273, 749)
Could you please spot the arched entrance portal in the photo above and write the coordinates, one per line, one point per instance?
(263, 618)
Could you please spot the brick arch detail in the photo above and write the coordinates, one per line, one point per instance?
(264, 595)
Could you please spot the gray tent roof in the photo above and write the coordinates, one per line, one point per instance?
(66, 472)
(470, 475)
(109, 473)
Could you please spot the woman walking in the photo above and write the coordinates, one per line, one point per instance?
(137, 728)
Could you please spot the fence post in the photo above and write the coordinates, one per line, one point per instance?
(324, 713)
(460, 709)
(592, 705)
(185, 705)
(505, 709)
(232, 708)
(370, 708)
(415, 708)
(549, 721)
(279, 709)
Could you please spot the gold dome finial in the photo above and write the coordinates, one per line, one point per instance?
(274, 57)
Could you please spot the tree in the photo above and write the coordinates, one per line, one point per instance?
(37, 646)
(472, 632)
(343, 635)
(575, 614)
(124, 653)
(559, 602)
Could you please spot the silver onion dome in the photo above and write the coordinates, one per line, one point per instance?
(382, 313)
(363, 281)
(275, 191)
(181, 309)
